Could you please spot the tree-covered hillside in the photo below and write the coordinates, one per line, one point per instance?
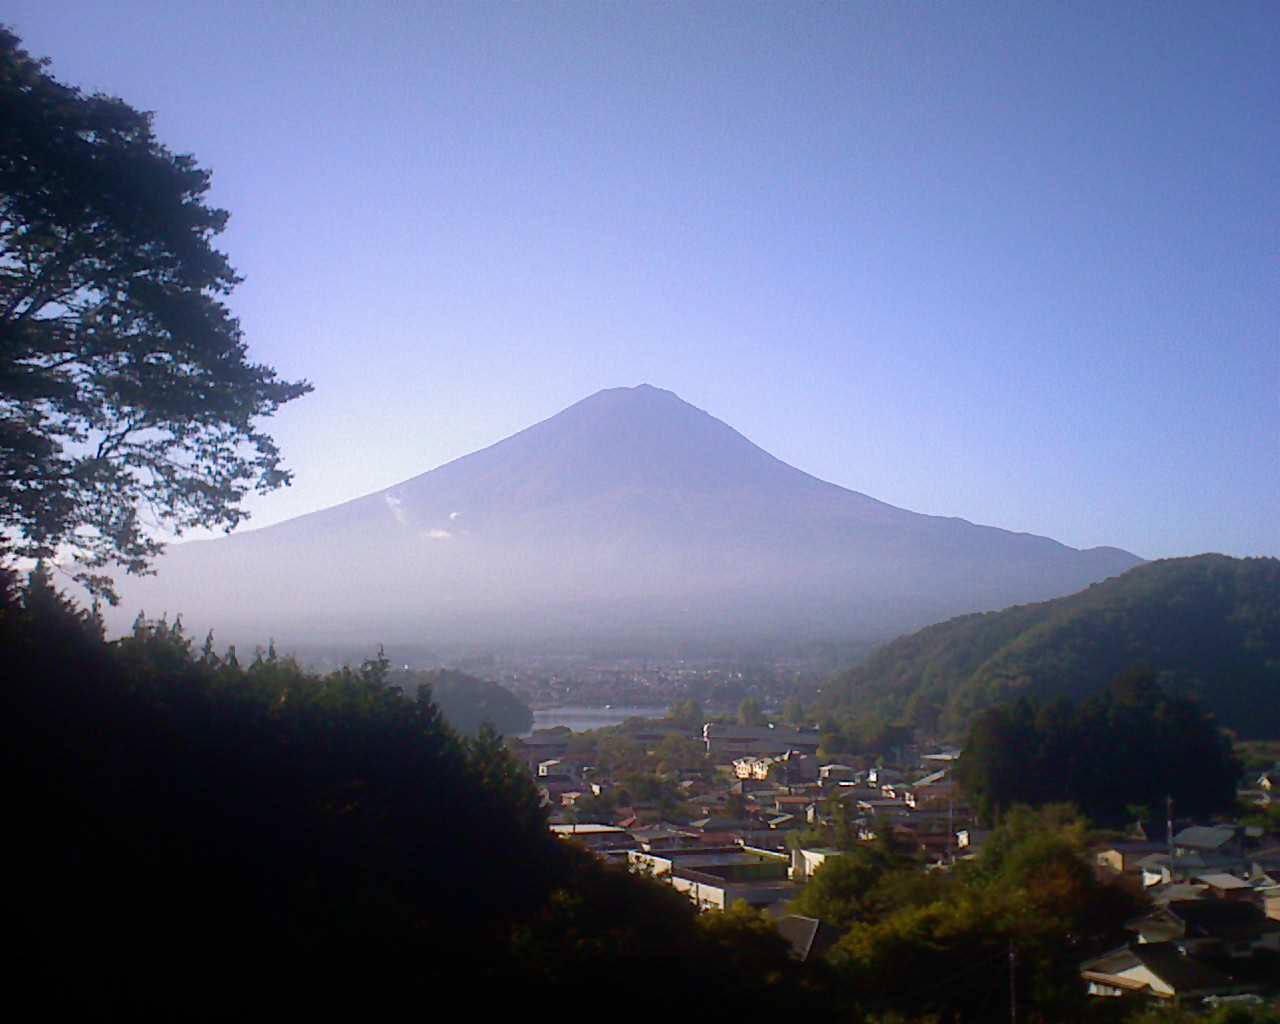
(1207, 626)
(466, 702)
(1074, 752)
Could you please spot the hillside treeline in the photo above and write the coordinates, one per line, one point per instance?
(191, 834)
(1116, 756)
(1208, 627)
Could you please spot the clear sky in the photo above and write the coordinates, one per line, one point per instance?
(1018, 263)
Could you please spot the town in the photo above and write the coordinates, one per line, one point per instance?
(733, 814)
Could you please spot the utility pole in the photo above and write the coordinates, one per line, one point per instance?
(951, 822)
(1013, 984)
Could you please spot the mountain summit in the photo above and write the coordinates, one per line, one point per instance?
(631, 515)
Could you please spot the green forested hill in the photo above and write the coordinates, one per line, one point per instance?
(1208, 626)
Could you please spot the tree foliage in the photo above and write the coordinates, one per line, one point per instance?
(1223, 1015)
(750, 713)
(793, 712)
(126, 397)
(941, 950)
(306, 838)
(842, 890)
(687, 714)
(676, 753)
(466, 702)
(1208, 626)
(1134, 743)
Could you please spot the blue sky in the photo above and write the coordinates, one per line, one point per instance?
(1011, 262)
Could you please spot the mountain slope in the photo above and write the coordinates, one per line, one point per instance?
(632, 516)
(1208, 625)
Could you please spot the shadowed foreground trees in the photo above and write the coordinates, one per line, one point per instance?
(936, 947)
(222, 836)
(213, 832)
(176, 808)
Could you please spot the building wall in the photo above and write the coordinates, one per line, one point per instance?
(1142, 974)
(805, 862)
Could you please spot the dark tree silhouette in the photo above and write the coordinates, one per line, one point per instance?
(125, 388)
(1132, 744)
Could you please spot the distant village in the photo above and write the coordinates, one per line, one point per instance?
(548, 682)
(747, 814)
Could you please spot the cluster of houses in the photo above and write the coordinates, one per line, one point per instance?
(1213, 932)
(1214, 928)
(769, 785)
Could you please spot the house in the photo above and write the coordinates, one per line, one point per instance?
(1265, 861)
(939, 793)
(1271, 901)
(791, 767)
(663, 837)
(607, 841)
(713, 891)
(931, 779)
(727, 742)
(541, 746)
(716, 878)
(1211, 927)
(1219, 841)
(552, 788)
(880, 776)
(1125, 858)
(844, 793)
(884, 808)
(792, 803)
(771, 839)
(1155, 869)
(1202, 848)
(1163, 895)
(934, 847)
(714, 823)
(1226, 886)
(1161, 970)
(1190, 948)
(753, 767)
(970, 840)
(810, 938)
(834, 773)
(805, 861)
(565, 766)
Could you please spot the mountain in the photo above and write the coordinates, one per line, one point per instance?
(630, 518)
(1209, 626)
